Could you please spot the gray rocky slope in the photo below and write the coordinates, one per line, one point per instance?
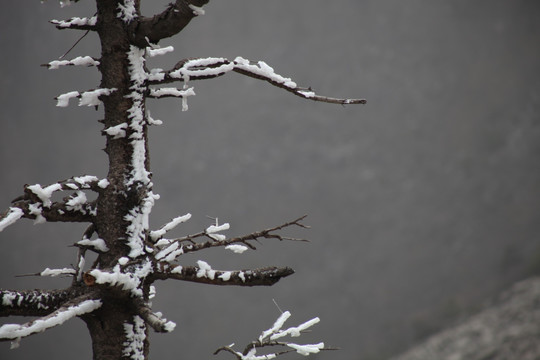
(507, 329)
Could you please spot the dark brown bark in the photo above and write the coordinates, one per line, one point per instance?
(35, 302)
(166, 24)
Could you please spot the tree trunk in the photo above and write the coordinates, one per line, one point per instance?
(116, 330)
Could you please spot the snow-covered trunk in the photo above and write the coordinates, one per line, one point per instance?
(129, 184)
(116, 333)
(123, 206)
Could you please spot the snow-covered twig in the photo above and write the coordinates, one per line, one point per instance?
(10, 217)
(87, 98)
(76, 23)
(268, 339)
(158, 234)
(78, 61)
(263, 234)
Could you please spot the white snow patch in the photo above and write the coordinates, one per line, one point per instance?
(44, 194)
(264, 70)
(308, 94)
(307, 349)
(226, 276)
(12, 216)
(236, 248)
(75, 21)
(156, 74)
(169, 91)
(154, 235)
(135, 336)
(203, 67)
(158, 51)
(7, 299)
(217, 228)
(15, 331)
(77, 202)
(97, 244)
(197, 11)
(127, 11)
(78, 61)
(177, 269)
(103, 183)
(118, 131)
(57, 272)
(63, 100)
(205, 270)
(91, 98)
(138, 217)
(85, 179)
(127, 281)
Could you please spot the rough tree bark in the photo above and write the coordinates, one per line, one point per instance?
(112, 296)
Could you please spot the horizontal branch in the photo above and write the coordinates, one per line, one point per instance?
(207, 68)
(78, 61)
(36, 202)
(76, 23)
(81, 305)
(263, 234)
(35, 302)
(206, 275)
(168, 23)
(56, 211)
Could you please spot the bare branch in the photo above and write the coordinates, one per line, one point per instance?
(168, 23)
(76, 307)
(204, 274)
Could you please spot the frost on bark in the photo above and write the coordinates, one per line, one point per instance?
(113, 295)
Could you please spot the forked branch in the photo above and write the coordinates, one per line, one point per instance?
(168, 23)
(270, 339)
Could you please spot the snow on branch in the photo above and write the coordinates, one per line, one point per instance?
(228, 243)
(158, 234)
(34, 302)
(155, 320)
(78, 61)
(73, 308)
(269, 337)
(37, 204)
(87, 98)
(203, 273)
(171, 92)
(207, 68)
(76, 23)
(10, 217)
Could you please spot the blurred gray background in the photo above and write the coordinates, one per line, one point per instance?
(423, 203)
